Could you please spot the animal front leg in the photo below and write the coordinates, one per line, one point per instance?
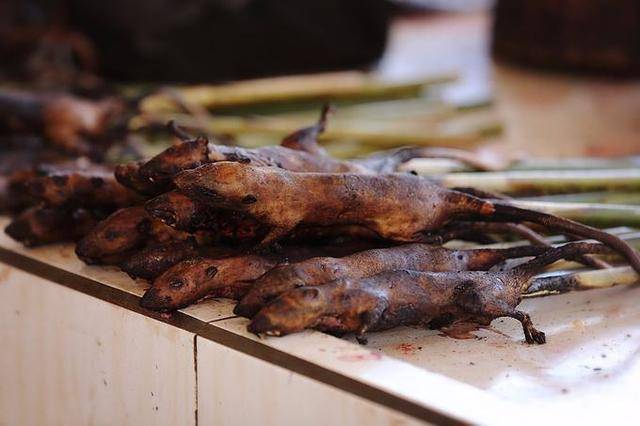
(531, 334)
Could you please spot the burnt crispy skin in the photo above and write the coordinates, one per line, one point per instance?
(399, 207)
(153, 260)
(419, 257)
(298, 152)
(183, 213)
(156, 175)
(115, 238)
(43, 225)
(128, 175)
(230, 277)
(396, 206)
(196, 278)
(406, 297)
(94, 187)
(18, 196)
(125, 230)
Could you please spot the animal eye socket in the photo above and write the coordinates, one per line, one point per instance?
(211, 271)
(311, 293)
(249, 199)
(176, 283)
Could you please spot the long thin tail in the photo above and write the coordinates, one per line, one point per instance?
(553, 254)
(566, 225)
(485, 258)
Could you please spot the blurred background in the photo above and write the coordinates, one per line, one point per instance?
(514, 77)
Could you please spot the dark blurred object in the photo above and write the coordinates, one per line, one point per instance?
(600, 36)
(67, 123)
(444, 5)
(37, 47)
(191, 40)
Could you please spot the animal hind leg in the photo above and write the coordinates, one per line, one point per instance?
(531, 334)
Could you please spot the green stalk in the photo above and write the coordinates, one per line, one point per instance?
(579, 163)
(584, 280)
(368, 132)
(319, 87)
(600, 215)
(627, 198)
(546, 182)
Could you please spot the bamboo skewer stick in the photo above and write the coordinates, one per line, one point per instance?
(601, 215)
(584, 280)
(367, 132)
(580, 163)
(556, 181)
(607, 197)
(323, 87)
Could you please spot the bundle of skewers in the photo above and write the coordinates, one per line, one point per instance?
(302, 239)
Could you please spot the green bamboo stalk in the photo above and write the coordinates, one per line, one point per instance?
(583, 280)
(546, 182)
(323, 87)
(605, 197)
(579, 163)
(600, 215)
(369, 132)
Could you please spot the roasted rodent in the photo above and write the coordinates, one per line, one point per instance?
(45, 225)
(408, 297)
(399, 207)
(418, 257)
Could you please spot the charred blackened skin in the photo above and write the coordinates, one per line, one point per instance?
(230, 277)
(186, 214)
(94, 187)
(419, 257)
(128, 175)
(43, 225)
(115, 238)
(181, 212)
(298, 152)
(398, 207)
(153, 260)
(407, 297)
(193, 279)
(74, 125)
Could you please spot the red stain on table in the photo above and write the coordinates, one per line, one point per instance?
(364, 356)
(406, 348)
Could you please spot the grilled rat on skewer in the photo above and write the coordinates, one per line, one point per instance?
(117, 237)
(231, 277)
(92, 187)
(406, 297)
(399, 207)
(419, 257)
(44, 225)
(298, 152)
